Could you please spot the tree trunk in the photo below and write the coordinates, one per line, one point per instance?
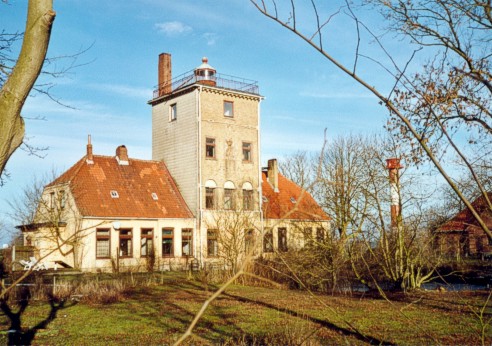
(40, 17)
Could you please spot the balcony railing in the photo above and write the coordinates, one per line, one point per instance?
(218, 80)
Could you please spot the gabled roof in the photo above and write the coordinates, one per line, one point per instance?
(464, 219)
(135, 184)
(290, 202)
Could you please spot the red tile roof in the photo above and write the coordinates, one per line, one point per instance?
(465, 219)
(91, 186)
(290, 202)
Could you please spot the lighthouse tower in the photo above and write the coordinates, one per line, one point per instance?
(206, 129)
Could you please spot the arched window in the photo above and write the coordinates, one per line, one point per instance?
(210, 199)
(229, 189)
(247, 196)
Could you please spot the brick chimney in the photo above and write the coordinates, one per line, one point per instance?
(272, 174)
(393, 165)
(164, 74)
(89, 158)
(122, 155)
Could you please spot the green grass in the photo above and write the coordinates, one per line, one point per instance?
(159, 314)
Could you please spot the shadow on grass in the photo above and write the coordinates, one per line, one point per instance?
(16, 334)
(344, 331)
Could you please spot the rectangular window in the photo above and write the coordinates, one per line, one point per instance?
(210, 148)
(249, 241)
(102, 243)
(268, 240)
(146, 244)
(282, 239)
(52, 200)
(209, 198)
(126, 243)
(228, 109)
(173, 112)
(228, 199)
(308, 236)
(186, 242)
(246, 152)
(212, 243)
(248, 199)
(63, 199)
(320, 235)
(167, 242)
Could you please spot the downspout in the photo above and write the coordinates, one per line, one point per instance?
(198, 217)
(260, 193)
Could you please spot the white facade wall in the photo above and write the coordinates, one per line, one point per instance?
(175, 142)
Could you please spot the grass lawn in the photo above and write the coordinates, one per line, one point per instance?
(158, 314)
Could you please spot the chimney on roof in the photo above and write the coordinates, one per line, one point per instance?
(89, 158)
(164, 74)
(272, 174)
(393, 165)
(122, 155)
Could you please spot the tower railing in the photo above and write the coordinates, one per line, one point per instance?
(218, 80)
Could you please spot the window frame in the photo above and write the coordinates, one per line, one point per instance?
(189, 239)
(229, 199)
(145, 244)
(212, 146)
(213, 237)
(126, 238)
(247, 147)
(231, 103)
(173, 112)
(100, 237)
(268, 240)
(247, 199)
(249, 241)
(210, 198)
(167, 237)
(282, 239)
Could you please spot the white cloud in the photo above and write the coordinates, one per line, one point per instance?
(173, 28)
(124, 90)
(337, 95)
(211, 38)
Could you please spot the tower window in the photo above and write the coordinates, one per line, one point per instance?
(246, 152)
(228, 109)
(173, 112)
(248, 199)
(228, 199)
(212, 243)
(210, 147)
(209, 198)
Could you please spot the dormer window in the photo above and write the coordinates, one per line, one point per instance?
(264, 199)
(114, 194)
(293, 200)
(154, 196)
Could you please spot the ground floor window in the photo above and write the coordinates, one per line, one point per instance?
(186, 242)
(103, 243)
(146, 244)
(249, 241)
(167, 242)
(212, 243)
(282, 239)
(268, 240)
(126, 243)
(320, 235)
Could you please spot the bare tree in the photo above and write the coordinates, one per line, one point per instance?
(435, 108)
(20, 81)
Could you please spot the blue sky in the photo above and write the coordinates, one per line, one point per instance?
(303, 92)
